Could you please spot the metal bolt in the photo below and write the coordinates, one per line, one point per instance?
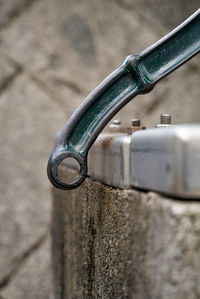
(116, 122)
(116, 126)
(165, 119)
(135, 126)
(136, 122)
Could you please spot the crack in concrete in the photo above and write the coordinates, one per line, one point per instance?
(17, 12)
(157, 101)
(193, 67)
(42, 86)
(20, 260)
(32, 77)
(5, 84)
(70, 84)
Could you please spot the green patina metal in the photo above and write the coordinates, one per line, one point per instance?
(99, 109)
(138, 74)
(172, 52)
(153, 65)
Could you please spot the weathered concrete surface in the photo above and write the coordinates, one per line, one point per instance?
(35, 279)
(110, 243)
(27, 133)
(159, 14)
(10, 9)
(72, 45)
(8, 72)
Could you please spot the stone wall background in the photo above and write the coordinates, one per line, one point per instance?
(52, 54)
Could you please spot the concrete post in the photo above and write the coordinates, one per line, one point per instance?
(111, 243)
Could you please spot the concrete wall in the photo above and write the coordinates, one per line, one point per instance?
(111, 243)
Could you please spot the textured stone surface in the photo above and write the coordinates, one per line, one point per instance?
(110, 243)
(10, 9)
(7, 72)
(65, 41)
(72, 45)
(34, 280)
(67, 47)
(159, 14)
(29, 122)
